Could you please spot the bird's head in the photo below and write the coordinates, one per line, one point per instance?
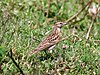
(60, 24)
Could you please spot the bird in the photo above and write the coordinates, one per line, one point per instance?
(51, 40)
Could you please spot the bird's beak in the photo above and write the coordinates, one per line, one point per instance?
(64, 23)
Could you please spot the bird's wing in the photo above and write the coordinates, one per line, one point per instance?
(54, 37)
(48, 42)
(51, 40)
(44, 45)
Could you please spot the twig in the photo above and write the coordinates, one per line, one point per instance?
(74, 16)
(10, 55)
(89, 30)
(61, 8)
(85, 14)
(78, 20)
(7, 45)
(97, 41)
(48, 10)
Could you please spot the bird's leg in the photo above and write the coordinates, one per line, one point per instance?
(47, 54)
(52, 55)
(50, 50)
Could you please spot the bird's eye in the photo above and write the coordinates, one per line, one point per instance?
(60, 23)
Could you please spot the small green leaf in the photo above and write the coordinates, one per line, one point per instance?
(2, 52)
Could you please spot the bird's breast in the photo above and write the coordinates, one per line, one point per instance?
(57, 35)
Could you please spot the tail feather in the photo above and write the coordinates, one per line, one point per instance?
(34, 51)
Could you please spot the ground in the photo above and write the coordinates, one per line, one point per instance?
(24, 24)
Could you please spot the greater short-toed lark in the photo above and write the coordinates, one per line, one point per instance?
(51, 40)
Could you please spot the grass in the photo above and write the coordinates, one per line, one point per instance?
(24, 24)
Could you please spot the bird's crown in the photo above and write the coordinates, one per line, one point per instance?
(59, 24)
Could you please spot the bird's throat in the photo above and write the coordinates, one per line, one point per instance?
(57, 29)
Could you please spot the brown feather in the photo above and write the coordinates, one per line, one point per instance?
(51, 39)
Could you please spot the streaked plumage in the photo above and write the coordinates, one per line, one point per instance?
(51, 40)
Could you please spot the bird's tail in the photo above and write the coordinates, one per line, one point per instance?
(34, 51)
